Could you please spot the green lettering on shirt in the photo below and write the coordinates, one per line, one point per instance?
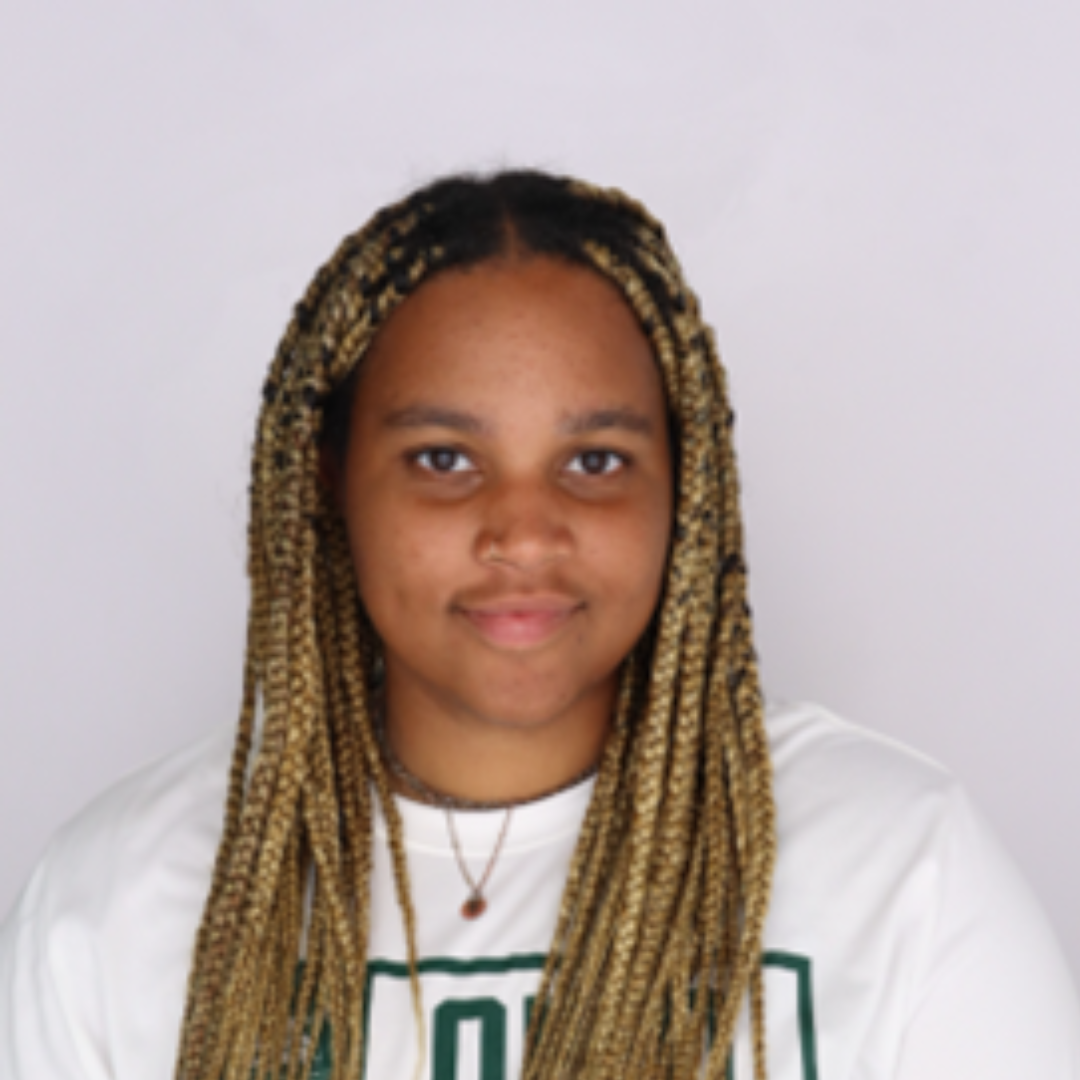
(490, 1015)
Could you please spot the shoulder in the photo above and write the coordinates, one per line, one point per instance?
(105, 926)
(844, 793)
(857, 807)
(813, 747)
(888, 877)
(157, 829)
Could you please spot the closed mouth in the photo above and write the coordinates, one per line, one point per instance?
(520, 622)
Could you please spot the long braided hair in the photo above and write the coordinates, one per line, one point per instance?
(659, 934)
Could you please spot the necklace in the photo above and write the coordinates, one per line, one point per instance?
(475, 904)
(458, 802)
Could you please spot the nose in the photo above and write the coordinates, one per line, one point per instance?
(524, 527)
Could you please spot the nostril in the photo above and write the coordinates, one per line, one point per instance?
(525, 548)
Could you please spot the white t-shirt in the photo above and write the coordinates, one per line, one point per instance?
(901, 943)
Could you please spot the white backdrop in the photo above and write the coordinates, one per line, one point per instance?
(877, 204)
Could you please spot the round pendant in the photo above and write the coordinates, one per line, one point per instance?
(474, 907)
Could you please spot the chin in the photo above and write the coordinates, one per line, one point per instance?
(520, 711)
(525, 703)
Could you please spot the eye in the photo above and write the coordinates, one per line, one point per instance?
(598, 462)
(442, 459)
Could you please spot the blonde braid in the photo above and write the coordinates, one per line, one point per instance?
(662, 915)
(707, 459)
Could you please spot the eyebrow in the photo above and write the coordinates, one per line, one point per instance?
(606, 419)
(420, 416)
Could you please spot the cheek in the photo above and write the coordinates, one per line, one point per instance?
(629, 555)
(402, 565)
(653, 568)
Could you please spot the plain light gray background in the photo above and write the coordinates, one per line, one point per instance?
(877, 204)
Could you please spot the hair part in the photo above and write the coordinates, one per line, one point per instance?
(659, 933)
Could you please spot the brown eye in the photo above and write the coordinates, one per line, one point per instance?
(442, 459)
(598, 462)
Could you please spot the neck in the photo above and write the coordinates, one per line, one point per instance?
(447, 755)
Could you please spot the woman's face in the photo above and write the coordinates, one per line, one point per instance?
(507, 491)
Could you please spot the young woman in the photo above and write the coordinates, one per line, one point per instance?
(505, 799)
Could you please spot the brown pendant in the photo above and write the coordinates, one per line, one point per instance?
(474, 907)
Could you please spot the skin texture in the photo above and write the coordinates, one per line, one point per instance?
(508, 498)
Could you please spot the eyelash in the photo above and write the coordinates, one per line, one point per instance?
(611, 455)
(419, 456)
(429, 452)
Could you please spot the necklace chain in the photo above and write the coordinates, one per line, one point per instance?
(458, 802)
(476, 904)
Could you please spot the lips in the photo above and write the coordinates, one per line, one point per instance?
(520, 622)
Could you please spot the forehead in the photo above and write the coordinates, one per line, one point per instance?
(532, 332)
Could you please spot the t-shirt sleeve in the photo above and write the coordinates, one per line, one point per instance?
(41, 1034)
(996, 999)
(95, 955)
